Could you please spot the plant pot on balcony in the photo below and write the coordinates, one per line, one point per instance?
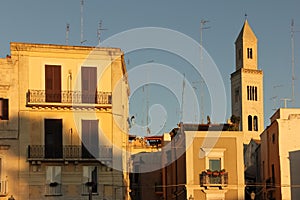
(208, 172)
(53, 184)
(89, 184)
(215, 173)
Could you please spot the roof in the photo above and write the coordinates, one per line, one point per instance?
(246, 32)
(205, 127)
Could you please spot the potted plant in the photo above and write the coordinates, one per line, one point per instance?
(208, 172)
(53, 184)
(222, 172)
(215, 173)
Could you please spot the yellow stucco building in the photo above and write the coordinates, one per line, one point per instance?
(66, 134)
(280, 150)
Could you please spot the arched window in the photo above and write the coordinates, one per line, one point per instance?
(249, 123)
(249, 53)
(255, 123)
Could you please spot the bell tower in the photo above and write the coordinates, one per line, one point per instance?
(247, 85)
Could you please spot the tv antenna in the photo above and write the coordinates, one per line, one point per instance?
(81, 22)
(202, 23)
(182, 98)
(293, 63)
(274, 102)
(285, 100)
(67, 33)
(99, 31)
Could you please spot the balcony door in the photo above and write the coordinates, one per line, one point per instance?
(89, 84)
(53, 83)
(90, 139)
(53, 138)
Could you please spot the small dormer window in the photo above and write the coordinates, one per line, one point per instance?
(249, 53)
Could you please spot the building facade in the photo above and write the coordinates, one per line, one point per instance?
(69, 107)
(203, 162)
(9, 126)
(280, 155)
(146, 167)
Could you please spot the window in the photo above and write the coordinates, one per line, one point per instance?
(255, 123)
(89, 84)
(252, 93)
(249, 123)
(90, 139)
(3, 182)
(53, 180)
(53, 83)
(90, 179)
(215, 164)
(249, 53)
(3, 109)
(214, 158)
(53, 138)
(273, 173)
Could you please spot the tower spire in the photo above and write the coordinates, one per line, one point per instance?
(247, 85)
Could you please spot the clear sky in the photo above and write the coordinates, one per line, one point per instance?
(45, 22)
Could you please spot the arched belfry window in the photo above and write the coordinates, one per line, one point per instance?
(252, 93)
(255, 123)
(249, 123)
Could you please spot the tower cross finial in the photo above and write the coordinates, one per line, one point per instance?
(246, 16)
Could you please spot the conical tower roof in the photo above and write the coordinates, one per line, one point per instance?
(246, 33)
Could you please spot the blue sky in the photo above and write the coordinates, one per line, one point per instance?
(45, 22)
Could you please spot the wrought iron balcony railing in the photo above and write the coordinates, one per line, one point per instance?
(3, 187)
(71, 98)
(69, 152)
(214, 179)
(86, 187)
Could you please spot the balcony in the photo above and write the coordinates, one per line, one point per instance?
(3, 188)
(39, 98)
(68, 153)
(214, 179)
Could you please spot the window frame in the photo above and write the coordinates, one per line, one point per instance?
(213, 153)
(87, 176)
(4, 109)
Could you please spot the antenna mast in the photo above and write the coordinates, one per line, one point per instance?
(99, 32)
(67, 33)
(81, 22)
(202, 23)
(182, 98)
(293, 63)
